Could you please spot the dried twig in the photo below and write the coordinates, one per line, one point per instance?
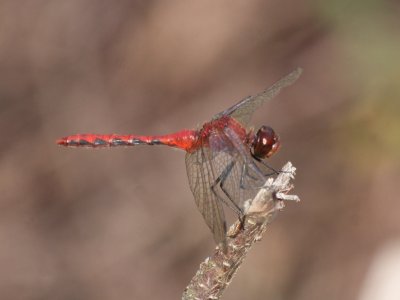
(217, 271)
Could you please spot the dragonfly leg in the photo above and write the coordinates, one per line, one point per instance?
(242, 174)
(274, 172)
(245, 172)
(221, 181)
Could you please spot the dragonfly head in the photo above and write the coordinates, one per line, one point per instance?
(266, 142)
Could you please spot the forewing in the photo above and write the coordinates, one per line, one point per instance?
(246, 178)
(232, 163)
(243, 110)
(201, 176)
(222, 171)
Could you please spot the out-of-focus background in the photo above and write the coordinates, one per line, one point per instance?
(122, 223)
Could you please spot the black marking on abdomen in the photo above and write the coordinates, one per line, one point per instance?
(138, 142)
(73, 143)
(119, 142)
(100, 142)
(155, 142)
(83, 142)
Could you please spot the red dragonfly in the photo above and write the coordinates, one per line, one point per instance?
(224, 161)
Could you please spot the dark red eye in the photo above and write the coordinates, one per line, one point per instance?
(266, 142)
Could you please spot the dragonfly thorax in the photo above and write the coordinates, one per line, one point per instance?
(265, 143)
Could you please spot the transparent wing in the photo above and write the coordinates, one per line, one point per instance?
(239, 176)
(201, 176)
(222, 171)
(248, 178)
(243, 110)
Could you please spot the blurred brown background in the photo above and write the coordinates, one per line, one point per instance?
(122, 223)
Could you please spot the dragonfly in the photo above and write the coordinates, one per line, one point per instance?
(225, 159)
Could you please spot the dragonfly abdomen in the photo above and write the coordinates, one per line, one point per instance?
(182, 140)
(98, 140)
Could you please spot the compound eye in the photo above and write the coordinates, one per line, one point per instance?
(266, 142)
